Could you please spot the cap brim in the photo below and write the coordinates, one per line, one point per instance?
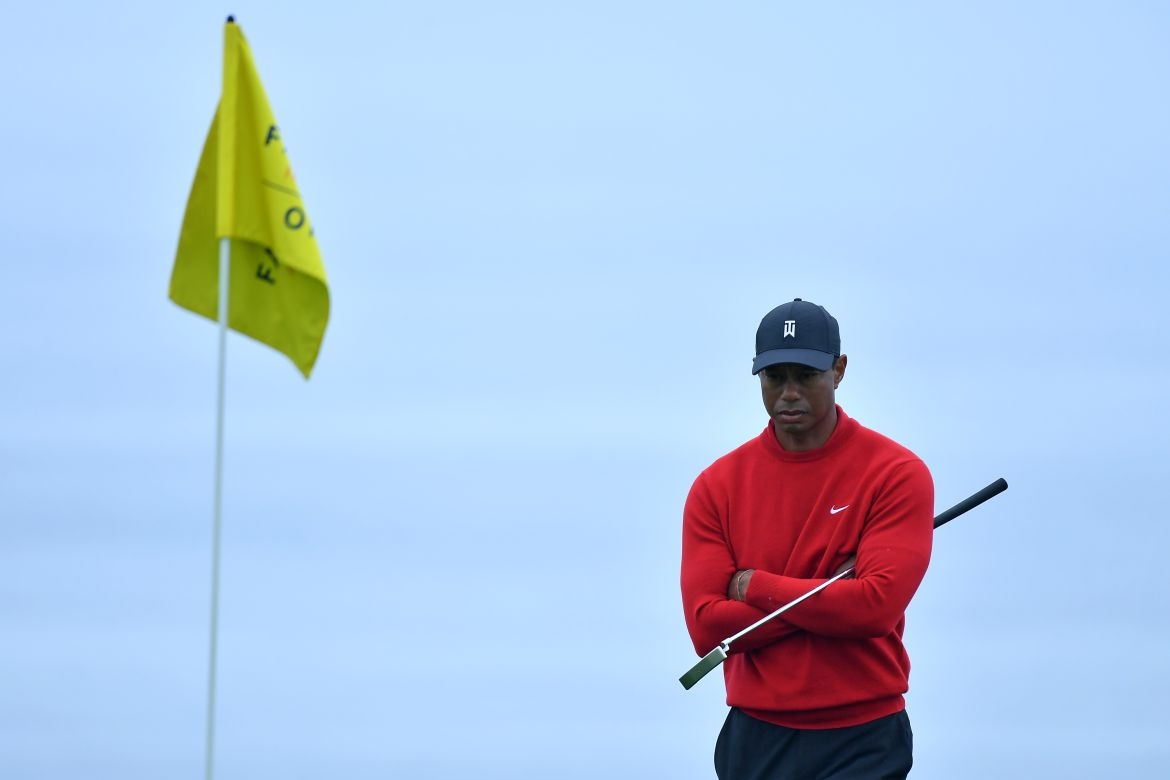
(813, 358)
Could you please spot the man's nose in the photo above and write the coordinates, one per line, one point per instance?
(790, 390)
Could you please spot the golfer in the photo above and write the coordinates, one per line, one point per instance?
(817, 693)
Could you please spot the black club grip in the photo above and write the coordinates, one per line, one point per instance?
(972, 501)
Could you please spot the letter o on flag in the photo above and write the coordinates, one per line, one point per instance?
(294, 218)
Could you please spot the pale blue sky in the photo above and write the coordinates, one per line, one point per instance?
(550, 231)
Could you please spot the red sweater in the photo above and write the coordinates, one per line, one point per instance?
(836, 659)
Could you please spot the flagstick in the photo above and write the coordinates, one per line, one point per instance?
(225, 254)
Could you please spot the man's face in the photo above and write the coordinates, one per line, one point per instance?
(802, 402)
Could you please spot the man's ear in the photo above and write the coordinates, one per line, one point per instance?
(839, 370)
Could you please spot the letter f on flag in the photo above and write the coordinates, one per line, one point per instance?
(244, 191)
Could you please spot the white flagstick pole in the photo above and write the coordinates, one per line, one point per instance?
(225, 255)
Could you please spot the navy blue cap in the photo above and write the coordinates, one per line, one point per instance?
(797, 332)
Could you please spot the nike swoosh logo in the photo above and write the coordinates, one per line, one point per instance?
(835, 509)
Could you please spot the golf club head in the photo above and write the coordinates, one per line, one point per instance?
(705, 664)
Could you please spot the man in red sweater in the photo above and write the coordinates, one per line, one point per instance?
(816, 693)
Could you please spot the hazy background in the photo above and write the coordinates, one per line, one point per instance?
(550, 232)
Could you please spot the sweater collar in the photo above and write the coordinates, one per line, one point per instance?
(846, 427)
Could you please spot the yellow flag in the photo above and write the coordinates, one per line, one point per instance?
(244, 190)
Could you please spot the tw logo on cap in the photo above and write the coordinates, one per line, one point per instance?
(789, 329)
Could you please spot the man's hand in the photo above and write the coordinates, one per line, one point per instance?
(737, 587)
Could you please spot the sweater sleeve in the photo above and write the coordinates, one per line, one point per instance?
(892, 556)
(707, 567)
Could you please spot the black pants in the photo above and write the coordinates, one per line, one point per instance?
(751, 749)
